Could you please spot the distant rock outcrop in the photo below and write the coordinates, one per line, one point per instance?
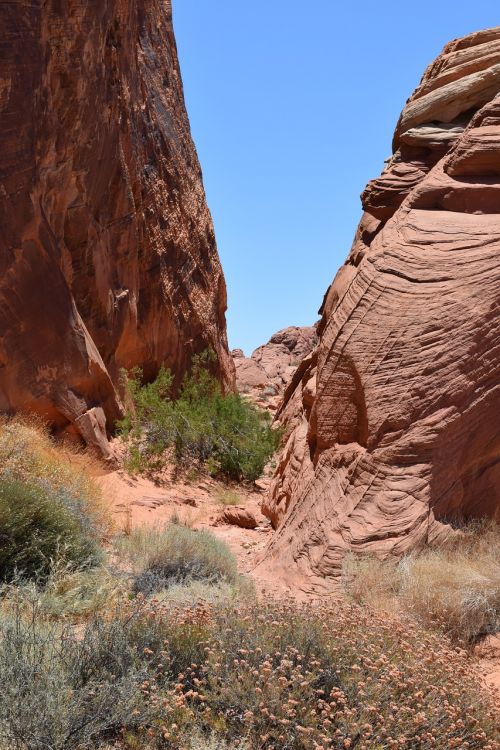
(264, 375)
(107, 250)
(394, 420)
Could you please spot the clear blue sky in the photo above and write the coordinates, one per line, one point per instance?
(292, 107)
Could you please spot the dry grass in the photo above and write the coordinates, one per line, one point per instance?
(212, 742)
(376, 583)
(228, 497)
(28, 453)
(190, 594)
(66, 594)
(454, 588)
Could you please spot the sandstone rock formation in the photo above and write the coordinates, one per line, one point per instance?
(394, 420)
(239, 516)
(107, 249)
(265, 374)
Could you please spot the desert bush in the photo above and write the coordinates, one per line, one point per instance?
(223, 433)
(254, 677)
(454, 588)
(51, 512)
(319, 677)
(41, 526)
(174, 554)
(60, 691)
(65, 688)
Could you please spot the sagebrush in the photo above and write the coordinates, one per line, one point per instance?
(174, 554)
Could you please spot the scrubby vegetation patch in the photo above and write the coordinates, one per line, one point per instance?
(51, 514)
(254, 677)
(223, 433)
(174, 554)
(454, 588)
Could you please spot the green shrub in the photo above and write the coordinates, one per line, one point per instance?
(176, 554)
(28, 453)
(41, 526)
(222, 432)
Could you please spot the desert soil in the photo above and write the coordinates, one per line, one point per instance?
(138, 501)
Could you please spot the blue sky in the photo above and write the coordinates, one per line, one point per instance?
(292, 108)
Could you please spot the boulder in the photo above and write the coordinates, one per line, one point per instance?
(238, 516)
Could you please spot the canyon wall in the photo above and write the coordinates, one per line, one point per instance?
(393, 422)
(107, 250)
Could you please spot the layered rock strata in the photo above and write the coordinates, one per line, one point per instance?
(107, 250)
(394, 420)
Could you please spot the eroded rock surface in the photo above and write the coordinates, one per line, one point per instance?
(265, 374)
(239, 516)
(394, 420)
(107, 249)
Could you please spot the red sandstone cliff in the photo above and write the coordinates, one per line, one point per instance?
(394, 420)
(107, 249)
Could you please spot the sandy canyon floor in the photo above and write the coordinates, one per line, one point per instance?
(138, 501)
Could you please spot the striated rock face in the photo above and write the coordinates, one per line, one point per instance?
(107, 249)
(394, 420)
(265, 374)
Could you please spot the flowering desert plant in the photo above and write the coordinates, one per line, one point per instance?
(257, 677)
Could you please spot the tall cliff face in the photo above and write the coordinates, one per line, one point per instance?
(107, 250)
(394, 420)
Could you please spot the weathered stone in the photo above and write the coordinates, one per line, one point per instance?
(107, 250)
(264, 375)
(241, 517)
(393, 423)
(92, 427)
